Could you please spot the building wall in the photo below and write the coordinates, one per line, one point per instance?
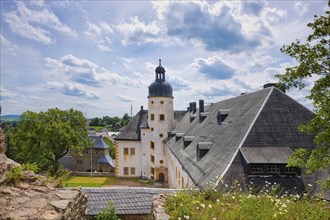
(160, 121)
(128, 160)
(83, 163)
(177, 177)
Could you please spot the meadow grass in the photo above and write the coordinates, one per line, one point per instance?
(76, 181)
(235, 204)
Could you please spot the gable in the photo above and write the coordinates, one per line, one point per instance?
(277, 124)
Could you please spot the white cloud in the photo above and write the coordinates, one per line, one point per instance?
(125, 98)
(100, 34)
(39, 3)
(6, 45)
(300, 7)
(6, 94)
(72, 89)
(139, 32)
(30, 23)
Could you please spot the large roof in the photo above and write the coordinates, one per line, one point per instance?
(266, 118)
(133, 200)
(140, 120)
(106, 159)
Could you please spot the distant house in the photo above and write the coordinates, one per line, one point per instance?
(246, 138)
(95, 159)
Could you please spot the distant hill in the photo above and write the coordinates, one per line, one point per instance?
(10, 117)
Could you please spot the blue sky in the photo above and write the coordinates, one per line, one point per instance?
(99, 56)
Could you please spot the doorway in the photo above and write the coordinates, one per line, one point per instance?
(161, 177)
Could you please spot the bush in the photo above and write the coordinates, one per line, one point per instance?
(108, 213)
(33, 167)
(15, 174)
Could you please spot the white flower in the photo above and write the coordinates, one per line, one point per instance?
(218, 200)
(186, 216)
(179, 218)
(209, 206)
(202, 205)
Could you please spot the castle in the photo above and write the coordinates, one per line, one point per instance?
(248, 138)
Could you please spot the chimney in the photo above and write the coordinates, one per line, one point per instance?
(194, 107)
(190, 107)
(141, 107)
(282, 88)
(201, 105)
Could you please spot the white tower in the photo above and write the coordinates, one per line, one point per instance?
(160, 121)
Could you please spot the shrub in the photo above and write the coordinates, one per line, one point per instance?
(15, 174)
(108, 213)
(33, 167)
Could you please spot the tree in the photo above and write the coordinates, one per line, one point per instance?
(125, 120)
(314, 61)
(45, 137)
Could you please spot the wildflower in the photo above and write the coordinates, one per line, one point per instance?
(214, 218)
(226, 185)
(284, 205)
(215, 190)
(209, 206)
(179, 218)
(233, 197)
(202, 205)
(218, 200)
(186, 216)
(197, 207)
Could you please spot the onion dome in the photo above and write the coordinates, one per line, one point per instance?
(160, 87)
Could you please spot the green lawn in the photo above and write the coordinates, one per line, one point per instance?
(105, 181)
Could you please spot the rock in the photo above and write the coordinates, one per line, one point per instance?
(67, 194)
(60, 204)
(36, 203)
(51, 215)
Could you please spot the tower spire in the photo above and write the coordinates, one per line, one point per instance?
(160, 62)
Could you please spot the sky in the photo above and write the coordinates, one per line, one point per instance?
(99, 57)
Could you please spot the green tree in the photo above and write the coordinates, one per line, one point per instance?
(125, 120)
(10, 147)
(108, 213)
(313, 57)
(96, 122)
(45, 137)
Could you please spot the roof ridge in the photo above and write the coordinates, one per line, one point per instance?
(245, 136)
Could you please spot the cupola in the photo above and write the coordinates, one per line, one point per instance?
(160, 88)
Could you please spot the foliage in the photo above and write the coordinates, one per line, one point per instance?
(108, 213)
(15, 174)
(314, 63)
(10, 147)
(33, 167)
(234, 203)
(43, 138)
(112, 123)
(112, 147)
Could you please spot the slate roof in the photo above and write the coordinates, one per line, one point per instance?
(129, 200)
(140, 120)
(265, 118)
(106, 159)
(99, 143)
(274, 155)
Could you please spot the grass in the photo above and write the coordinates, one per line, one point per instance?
(235, 204)
(105, 181)
(97, 128)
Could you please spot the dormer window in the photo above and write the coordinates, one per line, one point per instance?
(187, 140)
(178, 136)
(222, 115)
(202, 149)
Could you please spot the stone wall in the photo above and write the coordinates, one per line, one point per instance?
(158, 209)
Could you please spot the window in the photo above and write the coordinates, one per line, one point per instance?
(152, 129)
(162, 102)
(132, 151)
(273, 169)
(256, 169)
(132, 170)
(290, 170)
(160, 135)
(125, 170)
(152, 117)
(125, 150)
(161, 161)
(152, 102)
(161, 117)
(152, 145)
(152, 170)
(182, 183)
(152, 158)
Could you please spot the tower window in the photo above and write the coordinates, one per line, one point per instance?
(132, 170)
(162, 102)
(161, 161)
(152, 145)
(161, 135)
(152, 170)
(152, 117)
(152, 102)
(161, 117)
(132, 151)
(152, 129)
(152, 158)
